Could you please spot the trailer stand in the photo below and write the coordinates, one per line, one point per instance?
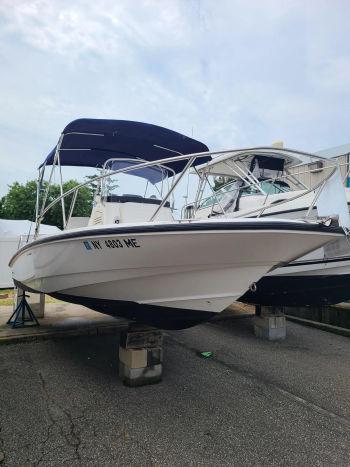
(23, 314)
(140, 355)
(269, 323)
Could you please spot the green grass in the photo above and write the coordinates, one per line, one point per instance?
(9, 300)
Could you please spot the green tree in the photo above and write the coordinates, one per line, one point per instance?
(19, 203)
(1, 204)
(110, 183)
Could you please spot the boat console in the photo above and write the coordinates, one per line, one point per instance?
(116, 209)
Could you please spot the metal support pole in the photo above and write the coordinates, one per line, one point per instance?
(188, 165)
(72, 204)
(61, 191)
(40, 216)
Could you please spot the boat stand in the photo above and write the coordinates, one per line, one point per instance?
(270, 323)
(140, 355)
(23, 314)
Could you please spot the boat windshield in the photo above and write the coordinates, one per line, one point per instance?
(148, 182)
(269, 187)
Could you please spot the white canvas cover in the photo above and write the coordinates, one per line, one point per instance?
(14, 233)
(13, 228)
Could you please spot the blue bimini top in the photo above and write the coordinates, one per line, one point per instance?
(91, 142)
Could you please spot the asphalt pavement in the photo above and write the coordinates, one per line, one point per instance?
(253, 403)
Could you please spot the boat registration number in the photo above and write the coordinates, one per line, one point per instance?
(111, 244)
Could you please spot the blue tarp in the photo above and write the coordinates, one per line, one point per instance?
(94, 141)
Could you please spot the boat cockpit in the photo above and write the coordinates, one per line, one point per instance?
(112, 203)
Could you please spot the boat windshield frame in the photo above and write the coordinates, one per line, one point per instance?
(225, 189)
(163, 170)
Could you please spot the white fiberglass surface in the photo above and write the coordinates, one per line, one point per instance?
(183, 277)
(220, 163)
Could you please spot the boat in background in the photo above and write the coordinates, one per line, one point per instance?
(134, 259)
(261, 183)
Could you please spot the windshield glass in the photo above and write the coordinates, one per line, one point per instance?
(268, 187)
(147, 182)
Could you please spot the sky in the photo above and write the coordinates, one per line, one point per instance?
(232, 73)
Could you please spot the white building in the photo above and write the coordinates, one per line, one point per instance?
(13, 234)
(341, 153)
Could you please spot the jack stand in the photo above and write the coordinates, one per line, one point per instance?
(23, 314)
(140, 355)
(269, 323)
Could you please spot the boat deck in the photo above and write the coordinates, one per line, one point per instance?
(254, 402)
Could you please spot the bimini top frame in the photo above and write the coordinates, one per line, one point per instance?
(91, 142)
(189, 160)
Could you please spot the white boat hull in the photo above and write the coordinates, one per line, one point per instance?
(320, 278)
(197, 267)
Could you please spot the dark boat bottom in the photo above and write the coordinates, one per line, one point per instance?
(299, 290)
(158, 316)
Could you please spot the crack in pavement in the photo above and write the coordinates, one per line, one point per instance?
(94, 433)
(73, 438)
(52, 407)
